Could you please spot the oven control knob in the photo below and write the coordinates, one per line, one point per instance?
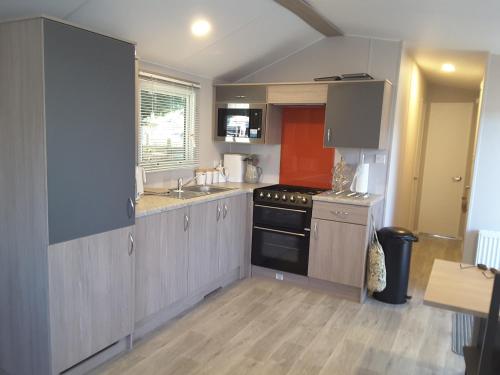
(261, 195)
(283, 197)
(304, 200)
(268, 196)
(292, 199)
(276, 196)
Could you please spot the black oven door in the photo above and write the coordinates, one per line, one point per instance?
(289, 219)
(286, 251)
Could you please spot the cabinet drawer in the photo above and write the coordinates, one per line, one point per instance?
(297, 94)
(341, 212)
(241, 94)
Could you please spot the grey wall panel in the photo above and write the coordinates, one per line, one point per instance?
(90, 106)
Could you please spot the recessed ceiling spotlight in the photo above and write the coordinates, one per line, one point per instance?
(200, 28)
(448, 68)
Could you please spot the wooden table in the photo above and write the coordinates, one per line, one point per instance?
(464, 290)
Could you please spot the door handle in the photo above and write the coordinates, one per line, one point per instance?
(225, 211)
(186, 222)
(457, 178)
(130, 208)
(279, 231)
(218, 212)
(131, 248)
(316, 230)
(328, 135)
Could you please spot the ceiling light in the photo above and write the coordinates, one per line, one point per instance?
(200, 28)
(448, 68)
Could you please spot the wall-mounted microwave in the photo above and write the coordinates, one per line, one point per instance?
(240, 122)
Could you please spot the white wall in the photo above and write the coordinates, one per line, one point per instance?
(331, 56)
(484, 209)
(407, 141)
(209, 150)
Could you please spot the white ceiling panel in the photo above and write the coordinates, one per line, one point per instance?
(10, 9)
(454, 24)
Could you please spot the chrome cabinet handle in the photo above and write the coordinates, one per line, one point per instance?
(328, 135)
(131, 248)
(225, 211)
(316, 230)
(218, 212)
(338, 213)
(130, 208)
(186, 222)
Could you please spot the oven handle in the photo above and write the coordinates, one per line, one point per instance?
(280, 231)
(280, 208)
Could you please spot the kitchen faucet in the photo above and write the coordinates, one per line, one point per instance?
(181, 184)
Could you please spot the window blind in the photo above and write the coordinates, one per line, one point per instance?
(168, 134)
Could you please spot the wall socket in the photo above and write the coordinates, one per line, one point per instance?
(380, 158)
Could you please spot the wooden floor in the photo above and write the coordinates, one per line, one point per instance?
(261, 326)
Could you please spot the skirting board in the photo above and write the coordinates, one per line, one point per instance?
(337, 290)
(161, 318)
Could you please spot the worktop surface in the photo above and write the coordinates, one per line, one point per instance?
(329, 196)
(153, 204)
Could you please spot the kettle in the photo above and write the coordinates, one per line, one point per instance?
(253, 172)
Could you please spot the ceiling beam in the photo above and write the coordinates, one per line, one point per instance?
(311, 16)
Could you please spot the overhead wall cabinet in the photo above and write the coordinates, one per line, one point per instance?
(357, 112)
(67, 156)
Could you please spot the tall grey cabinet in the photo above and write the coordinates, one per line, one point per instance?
(67, 160)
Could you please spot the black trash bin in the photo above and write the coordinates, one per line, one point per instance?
(397, 243)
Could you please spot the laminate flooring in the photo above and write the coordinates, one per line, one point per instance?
(261, 326)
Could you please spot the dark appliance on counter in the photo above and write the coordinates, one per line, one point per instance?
(282, 227)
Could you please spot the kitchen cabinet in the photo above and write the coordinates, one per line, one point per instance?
(234, 93)
(203, 253)
(337, 251)
(357, 114)
(187, 252)
(161, 262)
(67, 150)
(90, 131)
(338, 247)
(91, 293)
(313, 93)
(231, 232)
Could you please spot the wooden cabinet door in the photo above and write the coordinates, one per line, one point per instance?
(91, 291)
(90, 131)
(356, 114)
(231, 233)
(203, 254)
(161, 262)
(337, 252)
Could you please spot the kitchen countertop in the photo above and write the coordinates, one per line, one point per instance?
(153, 204)
(328, 196)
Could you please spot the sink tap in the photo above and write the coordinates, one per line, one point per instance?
(181, 183)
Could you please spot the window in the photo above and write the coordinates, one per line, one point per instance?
(168, 136)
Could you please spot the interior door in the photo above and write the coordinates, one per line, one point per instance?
(445, 164)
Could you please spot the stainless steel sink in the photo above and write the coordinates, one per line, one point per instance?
(205, 189)
(189, 192)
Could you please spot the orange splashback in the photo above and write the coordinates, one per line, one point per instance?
(304, 161)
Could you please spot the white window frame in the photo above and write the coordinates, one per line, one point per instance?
(176, 87)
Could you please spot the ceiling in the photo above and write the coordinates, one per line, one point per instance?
(250, 34)
(469, 66)
(246, 35)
